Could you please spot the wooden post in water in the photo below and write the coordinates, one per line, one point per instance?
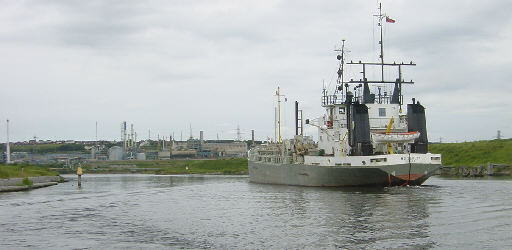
(79, 173)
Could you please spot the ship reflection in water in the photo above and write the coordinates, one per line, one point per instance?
(228, 212)
(359, 217)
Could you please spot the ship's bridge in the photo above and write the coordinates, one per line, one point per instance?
(331, 100)
(380, 112)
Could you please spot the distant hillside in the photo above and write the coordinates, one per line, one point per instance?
(46, 148)
(474, 153)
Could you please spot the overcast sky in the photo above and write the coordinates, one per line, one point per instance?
(163, 65)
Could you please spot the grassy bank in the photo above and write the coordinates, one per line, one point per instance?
(20, 171)
(474, 153)
(217, 166)
(47, 148)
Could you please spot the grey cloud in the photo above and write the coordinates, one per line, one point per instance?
(165, 64)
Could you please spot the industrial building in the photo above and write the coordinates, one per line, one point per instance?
(129, 148)
(163, 149)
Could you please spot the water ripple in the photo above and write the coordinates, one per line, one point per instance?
(202, 212)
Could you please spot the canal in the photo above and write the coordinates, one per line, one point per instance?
(228, 212)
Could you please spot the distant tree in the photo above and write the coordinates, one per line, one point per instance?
(70, 147)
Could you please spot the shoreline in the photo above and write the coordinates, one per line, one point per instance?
(16, 184)
(142, 171)
(476, 171)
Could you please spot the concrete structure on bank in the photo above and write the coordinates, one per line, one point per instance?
(15, 184)
(208, 149)
(227, 148)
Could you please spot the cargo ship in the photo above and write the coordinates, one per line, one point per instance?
(365, 137)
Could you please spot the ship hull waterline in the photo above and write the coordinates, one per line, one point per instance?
(340, 176)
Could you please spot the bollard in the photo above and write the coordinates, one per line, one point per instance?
(79, 173)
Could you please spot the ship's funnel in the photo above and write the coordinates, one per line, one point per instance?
(360, 135)
(417, 122)
(395, 99)
(349, 97)
(368, 97)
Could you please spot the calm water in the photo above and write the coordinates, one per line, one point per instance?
(141, 211)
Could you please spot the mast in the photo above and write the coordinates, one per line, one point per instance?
(341, 58)
(278, 94)
(380, 16)
(368, 97)
(275, 124)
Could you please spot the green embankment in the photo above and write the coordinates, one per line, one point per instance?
(20, 171)
(474, 153)
(218, 166)
(47, 148)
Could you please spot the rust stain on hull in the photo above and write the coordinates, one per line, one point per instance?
(412, 177)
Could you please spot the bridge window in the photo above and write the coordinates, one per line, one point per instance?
(382, 111)
(342, 110)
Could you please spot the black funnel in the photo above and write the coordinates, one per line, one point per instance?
(417, 122)
(360, 136)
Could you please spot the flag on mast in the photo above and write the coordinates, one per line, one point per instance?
(389, 20)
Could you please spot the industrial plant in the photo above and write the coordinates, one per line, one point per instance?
(166, 148)
(128, 148)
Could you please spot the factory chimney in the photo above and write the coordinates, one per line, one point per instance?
(252, 137)
(123, 134)
(132, 135)
(8, 147)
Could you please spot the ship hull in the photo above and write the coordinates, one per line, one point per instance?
(338, 176)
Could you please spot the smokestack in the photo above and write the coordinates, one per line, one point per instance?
(416, 122)
(201, 136)
(132, 135)
(252, 137)
(123, 134)
(8, 149)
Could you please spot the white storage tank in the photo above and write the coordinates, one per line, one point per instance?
(116, 153)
